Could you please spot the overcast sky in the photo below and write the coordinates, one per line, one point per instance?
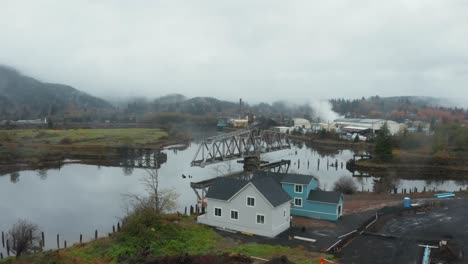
(257, 50)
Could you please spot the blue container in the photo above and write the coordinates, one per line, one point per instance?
(407, 202)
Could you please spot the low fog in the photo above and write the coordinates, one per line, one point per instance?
(301, 51)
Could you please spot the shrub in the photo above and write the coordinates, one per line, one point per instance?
(345, 185)
(66, 141)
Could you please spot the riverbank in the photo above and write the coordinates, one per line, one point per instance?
(416, 166)
(46, 148)
(172, 236)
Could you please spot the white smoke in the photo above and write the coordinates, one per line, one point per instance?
(322, 109)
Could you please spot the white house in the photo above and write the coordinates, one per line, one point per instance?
(258, 206)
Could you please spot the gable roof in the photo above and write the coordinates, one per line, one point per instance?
(297, 178)
(284, 177)
(272, 191)
(225, 188)
(324, 196)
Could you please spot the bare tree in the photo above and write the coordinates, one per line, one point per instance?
(160, 201)
(23, 237)
(345, 185)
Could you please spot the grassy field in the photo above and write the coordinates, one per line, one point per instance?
(170, 237)
(85, 137)
(33, 146)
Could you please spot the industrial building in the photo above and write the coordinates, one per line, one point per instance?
(374, 125)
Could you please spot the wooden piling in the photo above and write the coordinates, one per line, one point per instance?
(43, 240)
(95, 234)
(191, 210)
(118, 227)
(3, 239)
(81, 239)
(113, 228)
(8, 248)
(185, 210)
(1, 255)
(58, 241)
(65, 244)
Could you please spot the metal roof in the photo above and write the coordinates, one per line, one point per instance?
(285, 177)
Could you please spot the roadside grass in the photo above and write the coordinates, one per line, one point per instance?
(173, 235)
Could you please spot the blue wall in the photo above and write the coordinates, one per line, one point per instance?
(309, 208)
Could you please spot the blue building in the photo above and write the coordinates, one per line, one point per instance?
(307, 199)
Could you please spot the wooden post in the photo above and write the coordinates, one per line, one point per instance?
(8, 248)
(95, 234)
(3, 239)
(65, 243)
(113, 228)
(118, 227)
(43, 240)
(191, 210)
(58, 241)
(81, 239)
(185, 210)
(197, 210)
(1, 255)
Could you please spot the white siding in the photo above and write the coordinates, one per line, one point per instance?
(274, 224)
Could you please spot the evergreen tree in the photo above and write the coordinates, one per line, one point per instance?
(383, 144)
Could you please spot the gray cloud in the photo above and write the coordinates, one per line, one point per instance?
(258, 50)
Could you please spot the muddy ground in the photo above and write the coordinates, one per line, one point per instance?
(448, 220)
(393, 239)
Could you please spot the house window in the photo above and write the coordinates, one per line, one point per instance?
(298, 188)
(250, 201)
(298, 202)
(217, 211)
(260, 219)
(234, 214)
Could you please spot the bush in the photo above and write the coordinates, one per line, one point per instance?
(345, 185)
(66, 141)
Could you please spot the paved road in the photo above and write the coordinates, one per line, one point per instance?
(448, 221)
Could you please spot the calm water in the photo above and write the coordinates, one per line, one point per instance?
(77, 199)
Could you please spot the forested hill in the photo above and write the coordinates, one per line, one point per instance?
(400, 108)
(180, 104)
(22, 97)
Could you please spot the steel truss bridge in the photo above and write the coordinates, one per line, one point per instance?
(239, 144)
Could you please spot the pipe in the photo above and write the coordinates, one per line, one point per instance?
(305, 239)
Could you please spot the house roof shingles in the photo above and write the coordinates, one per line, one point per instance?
(297, 178)
(324, 196)
(272, 191)
(225, 188)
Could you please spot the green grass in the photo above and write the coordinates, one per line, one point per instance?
(88, 137)
(171, 236)
(33, 146)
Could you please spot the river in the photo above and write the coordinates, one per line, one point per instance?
(78, 199)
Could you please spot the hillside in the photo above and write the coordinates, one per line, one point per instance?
(177, 103)
(22, 97)
(399, 108)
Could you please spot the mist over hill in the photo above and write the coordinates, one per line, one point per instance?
(22, 97)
